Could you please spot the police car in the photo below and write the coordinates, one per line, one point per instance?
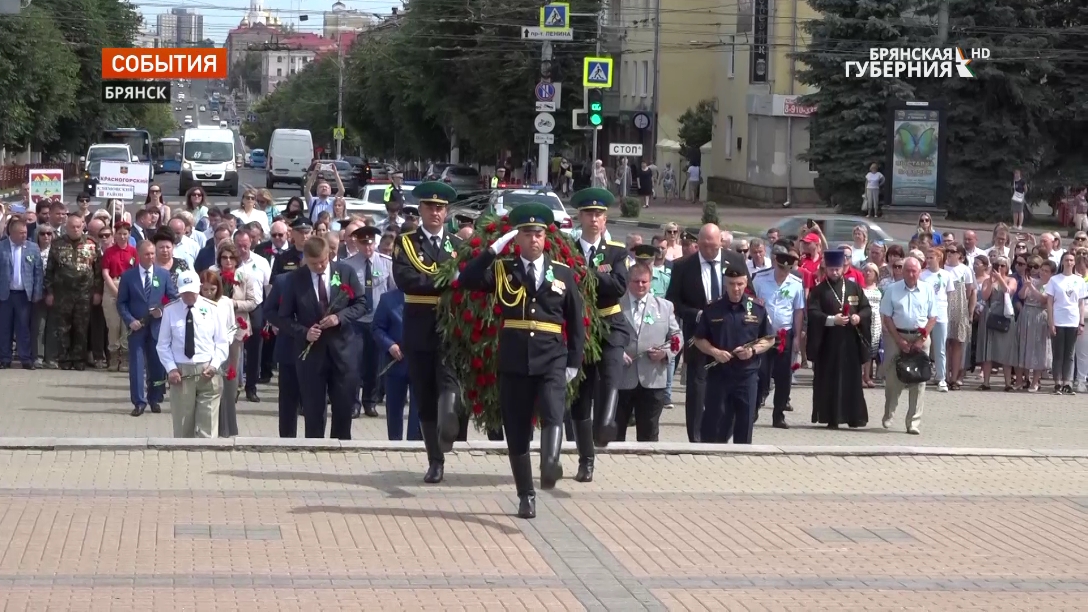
(502, 200)
(374, 194)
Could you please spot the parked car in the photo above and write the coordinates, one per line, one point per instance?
(838, 229)
(462, 178)
(343, 168)
(500, 202)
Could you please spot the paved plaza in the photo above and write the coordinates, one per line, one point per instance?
(95, 404)
(269, 531)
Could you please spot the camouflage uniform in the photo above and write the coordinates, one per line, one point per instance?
(72, 277)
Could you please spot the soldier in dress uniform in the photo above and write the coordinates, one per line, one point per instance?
(73, 281)
(375, 272)
(417, 254)
(593, 411)
(732, 331)
(538, 297)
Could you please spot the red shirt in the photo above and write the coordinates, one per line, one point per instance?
(855, 275)
(118, 259)
(810, 269)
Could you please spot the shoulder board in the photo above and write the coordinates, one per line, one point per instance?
(384, 256)
(559, 263)
(616, 244)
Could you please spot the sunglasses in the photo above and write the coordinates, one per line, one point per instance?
(86, 201)
(109, 235)
(785, 260)
(924, 220)
(1034, 267)
(248, 198)
(230, 257)
(672, 231)
(155, 191)
(742, 250)
(897, 267)
(278, 235)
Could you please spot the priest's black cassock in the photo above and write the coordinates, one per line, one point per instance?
(838, 352)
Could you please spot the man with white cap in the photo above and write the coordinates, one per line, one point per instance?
(193, 344)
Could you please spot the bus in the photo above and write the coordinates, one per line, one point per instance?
(138, 141)
(167, 155)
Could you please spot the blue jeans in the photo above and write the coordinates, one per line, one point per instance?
(396, 393)
(937, 348)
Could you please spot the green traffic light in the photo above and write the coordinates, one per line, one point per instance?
(595, 107)
(595, 119)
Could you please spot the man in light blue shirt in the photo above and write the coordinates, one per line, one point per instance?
(908, 312)
(783, 295)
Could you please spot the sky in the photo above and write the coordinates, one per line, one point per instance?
(221, 16)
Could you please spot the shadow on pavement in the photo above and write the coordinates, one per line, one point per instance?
(390, 482)
(117, 387)
(410, 513)
(81, 400)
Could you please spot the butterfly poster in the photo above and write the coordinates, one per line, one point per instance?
(915, 156)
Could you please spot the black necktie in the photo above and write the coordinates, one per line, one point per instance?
(190, 334)
(592, 253)
(715, 282)
(147, 287)
(434, 243)
(322, 293)
(368, 283)
(531, 273)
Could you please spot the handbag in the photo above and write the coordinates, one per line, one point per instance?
(864, 203)
(913, 368)
(1017, 197)
(998, 322)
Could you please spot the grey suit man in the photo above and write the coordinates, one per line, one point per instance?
(21, 277)
(375, 272)
(657, 339)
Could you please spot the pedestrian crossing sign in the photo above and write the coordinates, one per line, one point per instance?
(338, 133)
(597, 72)
(555, 16)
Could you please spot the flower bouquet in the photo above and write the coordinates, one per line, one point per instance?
(339, 301)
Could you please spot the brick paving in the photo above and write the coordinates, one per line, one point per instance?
(207, 530)
(95, 404)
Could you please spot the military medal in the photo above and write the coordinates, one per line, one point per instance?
(558, 286)
(598, 260)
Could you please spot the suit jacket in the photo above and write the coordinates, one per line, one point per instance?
(33, 270)
(686, 290)
(205, 258)
(300, 310)
(388, 328)
(654, 329)
(131, 304)
(283, 352)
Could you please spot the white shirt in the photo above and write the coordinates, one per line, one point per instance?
(943, 283)
(429, 236)
(961, 274)
(538, 269)
(1056, 257)
(187, 249)
(753, 267)
(972, 255)
(209, 339)
(199, 238)
(325, 279)
(257, 216)
(147, 275)
(1067, 293)
(16, 267)
(586, 246)
(704, 270)
(873, 179)
(257, 267)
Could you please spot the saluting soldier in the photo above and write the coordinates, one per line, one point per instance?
(72, 282)
(375, 272)
(538, 297)
(417, 255)
(598, 394)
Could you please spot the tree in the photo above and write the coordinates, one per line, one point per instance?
(38, 75)
(245, 74)
(696, 128)
(303, 101)
(155, 118)
(848, 127)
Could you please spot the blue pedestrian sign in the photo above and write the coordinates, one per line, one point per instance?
(252, 118)
(545, 91)
(555, 16)
(597, 72)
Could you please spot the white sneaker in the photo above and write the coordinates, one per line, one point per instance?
(887, 423)
(942, 387)
(793, 379)
(1081, 388)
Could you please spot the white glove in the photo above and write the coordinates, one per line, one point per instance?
(500, 244)
(572, 373)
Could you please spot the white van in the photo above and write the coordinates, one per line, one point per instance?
(208, 160)
(290, 153)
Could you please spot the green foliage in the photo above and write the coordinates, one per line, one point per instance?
(696, 127)
(245, 74)
(449, 71)
(630, 208)
(303, 101)
(710, 213)
(155, 118)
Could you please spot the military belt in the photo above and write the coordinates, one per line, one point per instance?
(540, 326)
(430, 300)
(609, 311)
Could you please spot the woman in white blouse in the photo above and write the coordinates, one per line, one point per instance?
(249, 213)
(942, 283)
(238, 299)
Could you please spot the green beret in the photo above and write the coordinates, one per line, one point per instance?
(593, 198)
(434, 192)
(531, 214)
(644, 252)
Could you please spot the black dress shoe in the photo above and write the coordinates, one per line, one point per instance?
(251, 396)
(780, 425)
(79, 367)
(4, 366)
(138, 410)
(264, 380)
(156, 408)
(435, 471)
(356, 410)
(527, 506)
(370, 411)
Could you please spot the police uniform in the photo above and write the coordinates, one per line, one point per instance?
(393, 193)
(376, 275)
(537, 299)
(731, 388)
(598, 393)
(782, 302)
(290, 259)
(417, 256)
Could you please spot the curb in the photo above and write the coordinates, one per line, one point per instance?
(499, 448)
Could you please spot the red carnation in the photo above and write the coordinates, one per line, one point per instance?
(534, 420)
(461, 266)
(794, 367)
(782, 340)
(477, 409)
(585, 321)
(477, 363)
(475, 252)
(492, 379)
(228, 277)
(165, 300)
(551, 229)
(231, 373)
(498, 309)
(472, 394)
(242, 325)
(674, 344)
(478, 326)
(492, 330)
(467, 316)
(505, 227)
(476, 336)
(846, 309)
(487, 352)
(547, 244)
(475, 242)
(457, 297)
(348, 291)
(481, 380)
(457, 332)
(517, 250)
(270, 251)
(266, 333)
(564, 251)
(491, 227)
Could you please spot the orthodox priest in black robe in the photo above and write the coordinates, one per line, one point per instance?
(839, 333)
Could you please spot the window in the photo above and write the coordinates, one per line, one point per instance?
(279, 59)
(625, 76)
(209, 152)
(812, 167)
(645, 80)
(279, 71)
(729, 137)
(731, 70)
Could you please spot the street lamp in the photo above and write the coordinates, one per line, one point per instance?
(338, 8)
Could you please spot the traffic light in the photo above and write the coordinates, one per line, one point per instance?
(596, 107)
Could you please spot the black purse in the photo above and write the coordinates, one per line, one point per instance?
(998, 322)
(913, 368)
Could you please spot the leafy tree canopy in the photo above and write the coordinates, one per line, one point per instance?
(696, 127)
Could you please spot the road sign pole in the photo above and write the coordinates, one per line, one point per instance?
(542, 148)
(586, 92)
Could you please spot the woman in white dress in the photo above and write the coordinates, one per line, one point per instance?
(237, 299)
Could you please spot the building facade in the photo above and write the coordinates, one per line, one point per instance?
(289, 56)
(179, 28)
(760, 127)
(341, 22)
(247, 38)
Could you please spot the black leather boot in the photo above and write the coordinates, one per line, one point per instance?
(583, 437)
(448, 423)
(435, 460)
(551, 444)
(522, 467)
(604, 418)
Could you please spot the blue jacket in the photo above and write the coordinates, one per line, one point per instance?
(205, 258)
(388, 328)
(131, 304)
(282, 352)
(33, 270)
